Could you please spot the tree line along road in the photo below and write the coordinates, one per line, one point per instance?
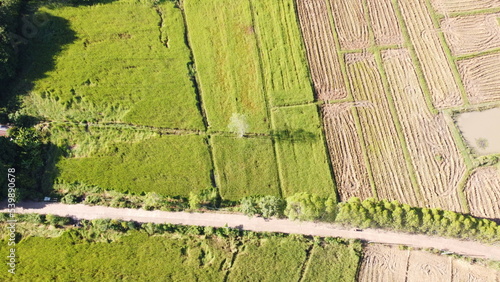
(80, 211)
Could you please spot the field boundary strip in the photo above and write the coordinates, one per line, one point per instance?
(399, 129)
(448, 53)
(266, 99)
(306, 262)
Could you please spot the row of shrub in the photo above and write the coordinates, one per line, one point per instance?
(393, 215)
(372, 213)
(93, 195)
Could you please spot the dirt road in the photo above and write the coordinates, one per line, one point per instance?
(468, 248)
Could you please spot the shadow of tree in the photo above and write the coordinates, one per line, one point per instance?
(294, 136)
(38, 56)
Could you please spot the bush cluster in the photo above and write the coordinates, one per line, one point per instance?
(393, 215)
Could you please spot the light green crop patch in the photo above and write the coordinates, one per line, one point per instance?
(282, 52)
(227, 61)
(301, 151)
(169, 165)
(282, 258)
(245, 167)
(124, 61)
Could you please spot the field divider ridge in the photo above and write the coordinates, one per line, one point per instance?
(305, 264)
(199, 97)
(447, 51)
(416, 62)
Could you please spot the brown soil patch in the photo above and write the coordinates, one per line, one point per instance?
(481, 78)
(483, 191)
(472, 34)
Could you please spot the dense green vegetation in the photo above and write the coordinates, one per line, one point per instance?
(124, 61)
(301, 151)
(24, 152)
(109, 250)
(169, 165)
(9, 17)
(245, 167)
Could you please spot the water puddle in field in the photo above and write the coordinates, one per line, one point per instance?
(481, 130)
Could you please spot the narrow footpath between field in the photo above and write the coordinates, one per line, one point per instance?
(80, 211)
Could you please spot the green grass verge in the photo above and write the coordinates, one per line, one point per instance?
(225, 49)
(124, 61)
(284, 62)
(169, 165)
(273, 259)
(333, 262)
(245, 167)
(301, 151)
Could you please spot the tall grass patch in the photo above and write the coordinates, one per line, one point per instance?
(301, 151)
(169, 165)
(245, 167)
(333, 262)
(284, 62)
(222, 35)
(123, 61)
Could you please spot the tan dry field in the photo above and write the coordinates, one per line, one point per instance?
(351, 24)
(351, 175)
(386, 157)
(323, 58)
(438, 163)
(472, 34)
(381, 263)
(389, 263)
(385, 24)
(387, 137)
(445, 7)
(481, 78)
(435, 66)
(465, 272)
(423, 266)
(483, 191)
